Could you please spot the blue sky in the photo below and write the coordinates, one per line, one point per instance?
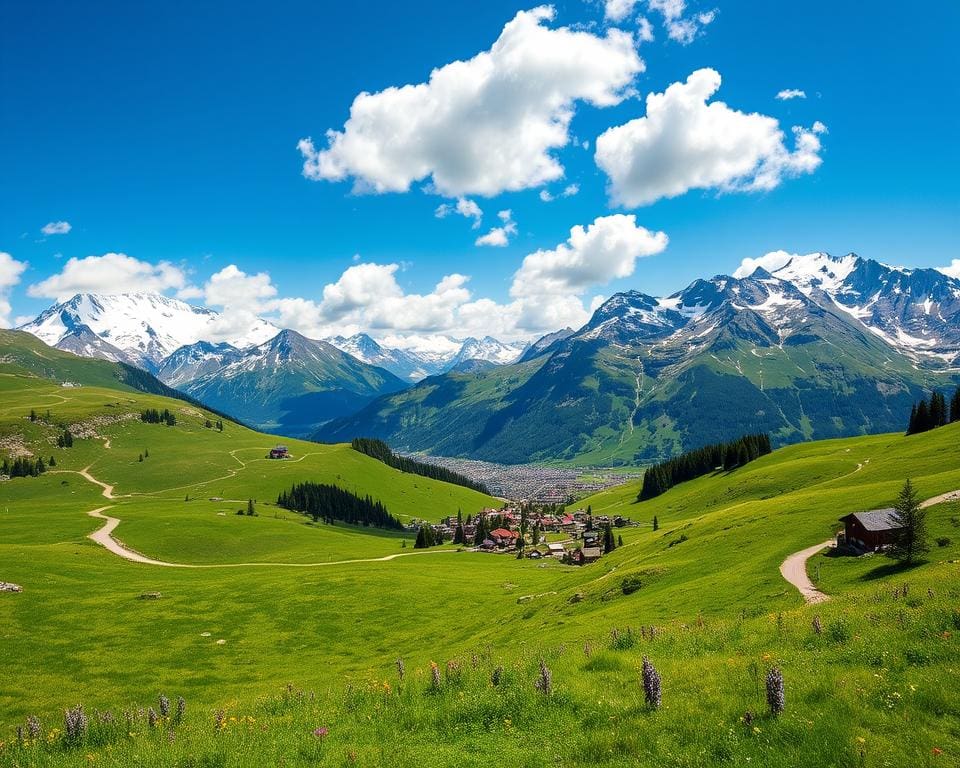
(169, 132)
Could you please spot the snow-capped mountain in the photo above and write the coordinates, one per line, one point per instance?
(916, 311)
(289, 384)
(145, 327)
(193, 361)
(406, 364)
(489, 350)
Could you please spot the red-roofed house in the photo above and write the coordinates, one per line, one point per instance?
(502, 537)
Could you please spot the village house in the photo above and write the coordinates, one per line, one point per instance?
(556, 549)
(503, 538)
(590, 555)
(869, 531)
(280, 452)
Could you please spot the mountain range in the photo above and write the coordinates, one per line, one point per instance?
(276, 380)
(821, 347)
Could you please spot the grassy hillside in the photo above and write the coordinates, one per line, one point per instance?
(877, 687)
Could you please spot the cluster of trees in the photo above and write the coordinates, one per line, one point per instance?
(379, 450)
(663, 476)
(426, 537)
(153, 416)
(24, 467)
(65, 440)
(608, 541)
(330, 503)
(933, 413)
(210, 425)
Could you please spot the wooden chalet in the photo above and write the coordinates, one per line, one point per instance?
(869, 531)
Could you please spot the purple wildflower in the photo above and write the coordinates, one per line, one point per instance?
(401, 669)
(496, 677)
(164, 704)
(775, 694)
(33, 727)
(651, 684)
(75, 723)
(544, 682)
(152, 717)
(321, 732)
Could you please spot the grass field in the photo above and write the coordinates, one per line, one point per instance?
(878, 686)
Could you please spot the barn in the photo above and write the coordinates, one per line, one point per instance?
(870, 531)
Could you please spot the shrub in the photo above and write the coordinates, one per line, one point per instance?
(943, 541)
(839, 631)
(631, 584)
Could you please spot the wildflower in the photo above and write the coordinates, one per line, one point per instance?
(544, 682)
(33, 727)
(152, 717)
(817, 626)
(164, 703)
(219, 720)
(401, 669)
(474, 661)
(20, 734)
(651, 684)
(434, 674)
(497, 676)
(861, 740)
(748, 718)
(321, 732)
(937, 751)
(181, 708)
(775, 695)
(75, 723)
(587, 650)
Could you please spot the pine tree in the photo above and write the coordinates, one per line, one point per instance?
(656, 523)
(458, 537)
(609, 544)
(938, 410)
(912, 426)
(251, 509)
(910, 542)
(955, 406)
(53, 461)
(619, 541)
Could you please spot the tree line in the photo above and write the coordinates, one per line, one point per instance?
(687, 466)
(24, 467)
(379, 450)
(153, 416)
(330, 503)
(933, 413)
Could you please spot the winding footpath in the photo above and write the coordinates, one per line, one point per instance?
(104, 537)
(794, 568)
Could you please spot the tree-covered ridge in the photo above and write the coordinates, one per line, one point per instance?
(935, 412)
(379, 450)
(687, 466)
(330, 503)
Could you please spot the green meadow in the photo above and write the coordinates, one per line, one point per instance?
(278, 634)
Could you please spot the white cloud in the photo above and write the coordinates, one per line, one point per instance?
(605, 250)
(953, 270)
(644, 30)
(679, 28)
(485, 125)
(687, 142)
(618, 10)
(56, 228)
(465, 207)
(568, 191)
(10, 272)
(110, 273)
(500, 236)
(771, 262)
(791, 93)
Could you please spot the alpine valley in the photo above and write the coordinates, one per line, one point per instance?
(823, 347)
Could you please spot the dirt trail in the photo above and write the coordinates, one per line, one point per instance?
(794, 568)
(104, 537)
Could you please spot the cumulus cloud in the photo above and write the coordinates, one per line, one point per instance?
(500, 236)
(680, 28)
(603, 251)
(56, 228)
(687, 142)
(465, 207)
(618, 10)
(953, 270)
(644, 30)
(568, 191)
(10, 272)
(110, 273)
(769, 261)
(791, 93)
(485, 125)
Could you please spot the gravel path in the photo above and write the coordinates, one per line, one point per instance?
(794, 568)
